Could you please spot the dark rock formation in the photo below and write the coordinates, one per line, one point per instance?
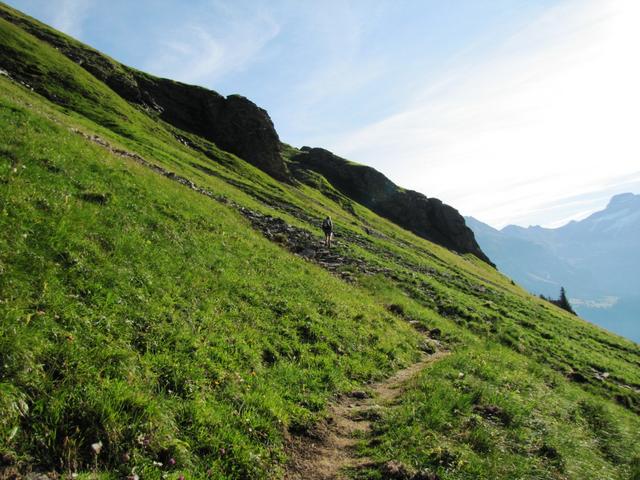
(426, 217)
(234, 123)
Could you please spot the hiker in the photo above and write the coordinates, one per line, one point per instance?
(327, 228)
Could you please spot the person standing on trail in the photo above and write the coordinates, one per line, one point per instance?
(327, 228)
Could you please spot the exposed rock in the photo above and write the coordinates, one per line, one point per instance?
(425, 475)
(426, 217)
(396, 309)
(306, 245)
(36, 476)
(435, 333)
(429, 346)
(359, 394)
(577, 377)
(234, 123)
(94, 197)
(493, 412)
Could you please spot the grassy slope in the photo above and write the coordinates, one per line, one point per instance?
(137, 312)
(160, 313)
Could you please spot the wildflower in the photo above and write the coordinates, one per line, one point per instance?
(143, 440)
(172, 462)
(96, 447)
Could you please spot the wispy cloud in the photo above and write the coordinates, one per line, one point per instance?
(69, 15)
(343, 65)
(551, 112)
(203, 51)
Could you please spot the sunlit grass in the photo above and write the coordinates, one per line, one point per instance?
(140, 314)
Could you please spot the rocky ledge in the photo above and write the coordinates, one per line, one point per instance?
(233, 123)
(426, 217)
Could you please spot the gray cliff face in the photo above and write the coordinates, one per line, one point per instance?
(426, 217)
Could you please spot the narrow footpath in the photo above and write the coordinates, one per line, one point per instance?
(330, 449)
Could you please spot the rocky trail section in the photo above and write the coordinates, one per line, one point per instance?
(339, 260)
(329, 450)
(297, 240)
(306, 245)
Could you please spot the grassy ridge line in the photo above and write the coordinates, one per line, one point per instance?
(143, 315)
(61, 85)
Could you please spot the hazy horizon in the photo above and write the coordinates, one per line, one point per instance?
(513, 112)
(597, 199)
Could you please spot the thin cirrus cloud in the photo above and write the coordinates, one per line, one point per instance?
(66, 15)
(550, 113)
(197, 53)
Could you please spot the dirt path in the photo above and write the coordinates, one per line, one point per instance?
(325, 452)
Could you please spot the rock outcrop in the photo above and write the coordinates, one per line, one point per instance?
(426, 217)
(233, 123)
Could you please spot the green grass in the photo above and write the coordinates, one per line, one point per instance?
(487, 412)
(137, 312)
(154, 312)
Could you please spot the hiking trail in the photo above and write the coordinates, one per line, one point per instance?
(329, 449)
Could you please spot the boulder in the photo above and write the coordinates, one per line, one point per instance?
(233, 123)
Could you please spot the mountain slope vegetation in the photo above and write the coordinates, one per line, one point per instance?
(167, 310)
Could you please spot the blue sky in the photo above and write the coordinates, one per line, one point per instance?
(512, 111)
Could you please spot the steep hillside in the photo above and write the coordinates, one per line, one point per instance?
(167, 311)
(596, 259)
(234, 124)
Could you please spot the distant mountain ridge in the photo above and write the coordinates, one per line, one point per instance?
(597, 259)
